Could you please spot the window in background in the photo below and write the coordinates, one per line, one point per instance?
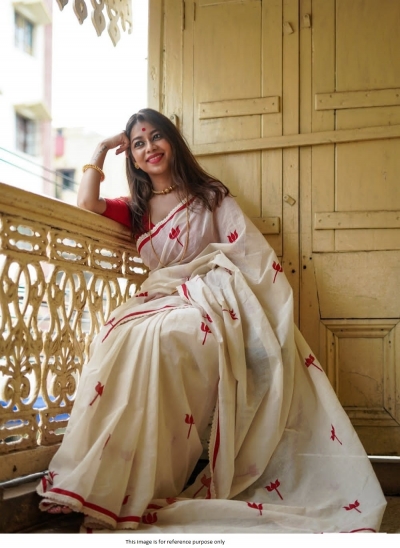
(23, 33)
(26, 135)
(67, 178)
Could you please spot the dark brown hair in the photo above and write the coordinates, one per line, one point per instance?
(188, 176)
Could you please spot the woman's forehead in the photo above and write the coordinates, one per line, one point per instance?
(142, 128)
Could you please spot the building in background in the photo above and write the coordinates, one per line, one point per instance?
(73, 148)
(26, 148)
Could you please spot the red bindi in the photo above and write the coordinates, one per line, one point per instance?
(143, 129)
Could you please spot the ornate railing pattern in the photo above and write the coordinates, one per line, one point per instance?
(62, 271)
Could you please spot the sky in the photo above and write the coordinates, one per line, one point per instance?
(96, 85)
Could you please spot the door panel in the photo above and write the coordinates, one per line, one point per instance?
(219, 36)
(367, 50)
(367, 176)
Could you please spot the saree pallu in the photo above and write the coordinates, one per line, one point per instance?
(211, 334)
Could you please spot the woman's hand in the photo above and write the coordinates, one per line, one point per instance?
(119, 141)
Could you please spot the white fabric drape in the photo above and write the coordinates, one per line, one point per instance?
(211, 333)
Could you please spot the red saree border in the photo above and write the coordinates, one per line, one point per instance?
(95, 507)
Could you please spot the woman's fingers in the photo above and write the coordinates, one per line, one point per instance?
(123, 143)
(119, 141)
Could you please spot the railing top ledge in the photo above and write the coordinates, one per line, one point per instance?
(54, 212)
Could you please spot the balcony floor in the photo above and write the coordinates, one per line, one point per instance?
(71, 523)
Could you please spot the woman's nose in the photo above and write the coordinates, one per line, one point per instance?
(150, 145)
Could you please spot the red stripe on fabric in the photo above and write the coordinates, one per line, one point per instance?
(135, 519)
(95, 507)
(101, 510)
(363, 529)
(164, 223)
(143, 313)
(68, 494)
(216, 447)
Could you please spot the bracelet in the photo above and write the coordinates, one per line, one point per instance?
(97, 168)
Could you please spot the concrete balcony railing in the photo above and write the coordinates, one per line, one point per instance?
(62, 271)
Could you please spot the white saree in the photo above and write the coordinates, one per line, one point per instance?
(210, 334)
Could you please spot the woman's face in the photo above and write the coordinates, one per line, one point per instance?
(150, 150)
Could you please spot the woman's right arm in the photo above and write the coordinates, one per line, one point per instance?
(89, 189)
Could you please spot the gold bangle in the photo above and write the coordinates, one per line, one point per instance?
(97, 168)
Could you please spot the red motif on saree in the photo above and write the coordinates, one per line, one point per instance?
(189, 420)
(277, 267)
(273, 486)
(148, 519)
(232, 313)
(334, 436)
(99, 389)
(311, 361)
(174, 234)
(256, 506)
(206, 330)
(233, 236)
(353, 506)
(170, 500)
(206, 482)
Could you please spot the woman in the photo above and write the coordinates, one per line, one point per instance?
(210, 332)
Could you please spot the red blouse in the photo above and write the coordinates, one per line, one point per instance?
(117, 209)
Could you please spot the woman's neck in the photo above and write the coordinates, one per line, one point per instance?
(162, 182)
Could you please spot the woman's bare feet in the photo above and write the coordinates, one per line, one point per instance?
(54, 508)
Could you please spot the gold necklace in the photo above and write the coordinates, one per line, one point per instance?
(165, 191)
(187, 238)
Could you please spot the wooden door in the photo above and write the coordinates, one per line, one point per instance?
(294, 104)
(355, 212)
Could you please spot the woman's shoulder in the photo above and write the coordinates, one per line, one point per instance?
(118, 210)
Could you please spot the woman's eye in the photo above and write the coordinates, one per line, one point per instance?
(157, 136)
(138, 144)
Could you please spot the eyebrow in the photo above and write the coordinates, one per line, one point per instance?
(140, 136)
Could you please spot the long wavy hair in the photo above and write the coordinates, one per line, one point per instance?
(188, 176)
